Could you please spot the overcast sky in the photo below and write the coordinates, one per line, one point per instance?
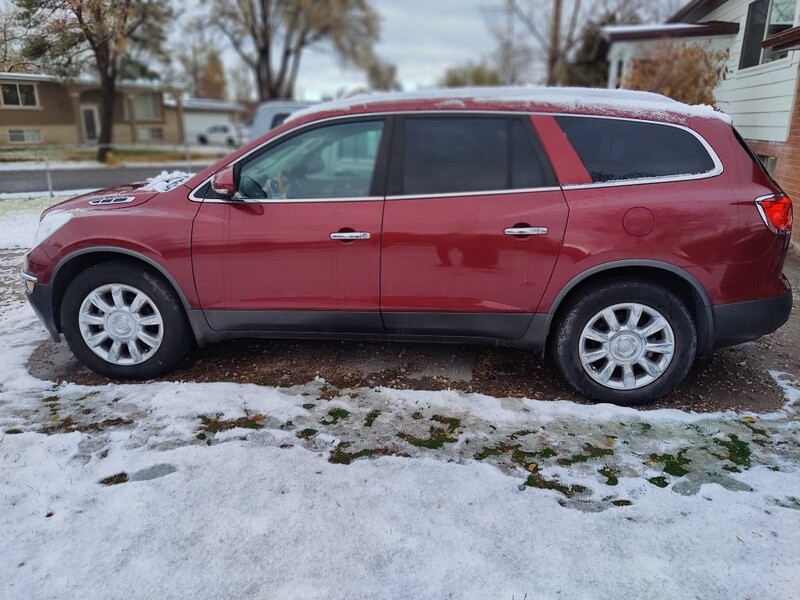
(421, 37)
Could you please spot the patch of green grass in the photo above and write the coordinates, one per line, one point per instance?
(622, 503)
(589, 452)
(13, 431)
(738, 450)
(215, 424)
(338, 455)
(756, 430)
(521, 433)
(369, 421)
(452, 423)
(673, 464)
(439, 436)
(517, 454)
(335, 415)
(309, 406)
(416, 415)
(610, 474)
(538, 481)
(660, 481)
(307, 433)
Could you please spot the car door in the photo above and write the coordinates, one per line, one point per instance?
(472, 226)
(298, 246)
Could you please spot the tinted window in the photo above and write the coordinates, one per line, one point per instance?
(470, 154)
(315, 164)
(617, 150)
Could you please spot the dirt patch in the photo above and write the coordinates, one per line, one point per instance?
(735, 378)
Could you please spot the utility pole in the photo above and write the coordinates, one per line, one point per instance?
(554, 51)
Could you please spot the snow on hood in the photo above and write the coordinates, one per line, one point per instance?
(165, 182)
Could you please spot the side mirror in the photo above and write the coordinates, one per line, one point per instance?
(223, 184)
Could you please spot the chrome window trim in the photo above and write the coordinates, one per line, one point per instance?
(718, 166)
(715, 172)
(484, 193)
(290, 201)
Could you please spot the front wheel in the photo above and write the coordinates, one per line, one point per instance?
(124, 323)
(625, 342)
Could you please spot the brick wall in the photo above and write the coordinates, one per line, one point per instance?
(787, 169)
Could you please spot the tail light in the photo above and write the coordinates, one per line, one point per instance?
(776, 210)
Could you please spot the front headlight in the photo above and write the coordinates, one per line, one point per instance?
(51, 223)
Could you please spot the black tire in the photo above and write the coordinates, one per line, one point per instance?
(231, 142)
(581, 310)
(176, 335)
(202, 140)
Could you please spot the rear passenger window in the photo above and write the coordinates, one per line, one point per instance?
(619, 150)
(454, 155)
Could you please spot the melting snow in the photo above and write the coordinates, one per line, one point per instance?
(165, 182)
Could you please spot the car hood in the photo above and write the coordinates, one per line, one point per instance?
(114, 198)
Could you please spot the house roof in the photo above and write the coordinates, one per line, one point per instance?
(630, 33)
(83, 81)
(695, 10)
(618, 33)
(785, 40)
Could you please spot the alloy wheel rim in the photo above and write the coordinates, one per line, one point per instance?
(626, 346)
(121, 324)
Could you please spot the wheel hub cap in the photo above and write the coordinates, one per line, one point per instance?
(121, 324)
(626, 346)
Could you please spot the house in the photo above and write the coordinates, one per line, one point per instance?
(200, 113)
(760, 86)
(43, 109)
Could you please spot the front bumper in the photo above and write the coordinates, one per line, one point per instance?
(745, 321)
(41, 299)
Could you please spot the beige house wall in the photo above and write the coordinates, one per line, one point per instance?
(57, 110)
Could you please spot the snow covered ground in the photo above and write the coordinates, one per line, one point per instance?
(179, 490)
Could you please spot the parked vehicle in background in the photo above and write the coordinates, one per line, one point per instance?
(223, 134)
(621, 232)
(273, 113)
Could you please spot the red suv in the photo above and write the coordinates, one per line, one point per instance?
(623, 232)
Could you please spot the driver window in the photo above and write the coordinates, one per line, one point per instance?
(334, 161)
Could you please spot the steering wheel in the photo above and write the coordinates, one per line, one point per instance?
(289, 185)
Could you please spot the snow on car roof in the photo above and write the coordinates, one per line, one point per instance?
(643, 104)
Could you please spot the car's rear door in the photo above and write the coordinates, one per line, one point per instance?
(473, 224)
(300, 249)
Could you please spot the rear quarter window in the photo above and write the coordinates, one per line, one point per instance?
(621, 150)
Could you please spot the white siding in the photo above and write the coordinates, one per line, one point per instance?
(760, 99)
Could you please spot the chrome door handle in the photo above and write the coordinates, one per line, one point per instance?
(526, 231)
(350, 235)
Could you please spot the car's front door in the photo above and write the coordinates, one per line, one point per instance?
(298, 247)
(472, 227)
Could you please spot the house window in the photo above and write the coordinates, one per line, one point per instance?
(18, 94)
(150, 134)
(765, 18)
(146, 107)
(24, 136)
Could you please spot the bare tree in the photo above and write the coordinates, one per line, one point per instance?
(112, 38)
(12, 36)
(512, 58)
(271, 35)
(471, 74)
(555, 27)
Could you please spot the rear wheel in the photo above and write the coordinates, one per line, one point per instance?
(124, 323)
(626, 342)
